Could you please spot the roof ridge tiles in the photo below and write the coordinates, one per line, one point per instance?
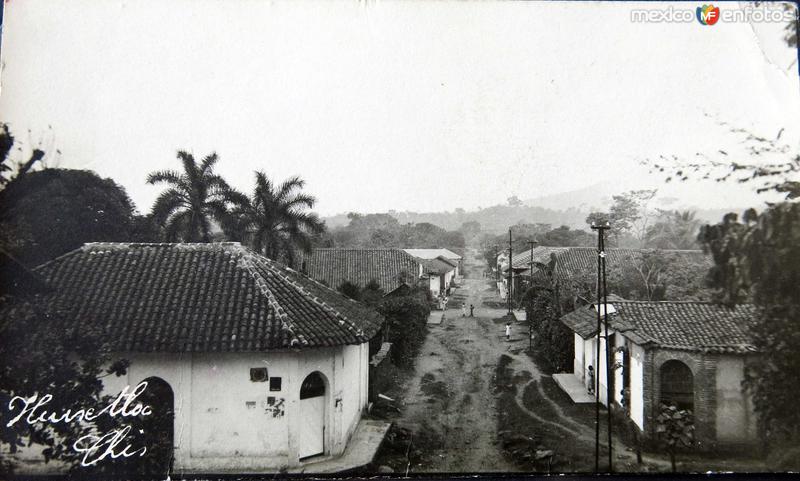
(271, 265)
(244, 261)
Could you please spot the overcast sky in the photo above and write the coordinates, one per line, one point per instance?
(392, 105)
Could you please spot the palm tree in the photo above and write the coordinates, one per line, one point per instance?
(274, 221)
(194, 197)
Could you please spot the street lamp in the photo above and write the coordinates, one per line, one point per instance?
(532, 244)
(496, 256)
(510, 272)
(602, 300)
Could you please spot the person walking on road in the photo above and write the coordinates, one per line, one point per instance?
(463, 309)
(471, 310)
(508, 331)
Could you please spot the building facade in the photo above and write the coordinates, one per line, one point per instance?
(689, 354)
(262, 368)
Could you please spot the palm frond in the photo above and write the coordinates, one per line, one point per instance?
(288, 186)
(166, 205)
(168, 176)
(208, 162)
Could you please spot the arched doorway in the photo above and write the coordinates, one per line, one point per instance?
(311, 439)
(158, 427)
(677, 385)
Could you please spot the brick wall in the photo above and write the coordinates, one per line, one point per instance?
(703, 367)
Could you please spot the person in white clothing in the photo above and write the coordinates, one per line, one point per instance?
(508, 331)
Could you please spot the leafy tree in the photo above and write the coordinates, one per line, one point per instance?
(8, 171)
(649, 276)
(514, 201)
(565, 237)
(383, 230)
(406, 319)
(66, 363)
(470, 230)
(372, 293)
(47, 213)
(781, 177)
(544, 307)
(629, 214)
(350, 290)
(757, 259)
(675, 429)
(674, 230)
(274, 221)
(194, 197)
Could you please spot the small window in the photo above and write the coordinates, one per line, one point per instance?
(258, 374)
(274, 384)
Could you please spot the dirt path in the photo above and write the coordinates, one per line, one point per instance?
(449, 401)
(450, 396)
(450, 404)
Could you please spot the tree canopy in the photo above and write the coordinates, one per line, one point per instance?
(757, 259)
(50, 212)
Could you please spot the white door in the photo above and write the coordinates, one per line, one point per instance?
(311, 439)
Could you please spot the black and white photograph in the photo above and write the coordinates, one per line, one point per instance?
(271, 239)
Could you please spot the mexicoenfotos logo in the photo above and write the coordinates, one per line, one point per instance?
(707, 14)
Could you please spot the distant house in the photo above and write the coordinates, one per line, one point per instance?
(265, 369)
(690, 354)
(430, 254)
(440, 272)
(392, 269)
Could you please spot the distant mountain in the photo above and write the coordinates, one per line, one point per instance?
(565, 208)
(593, 197)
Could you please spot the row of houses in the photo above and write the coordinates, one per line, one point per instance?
(262, 368)
(394, 270)
(688, 353)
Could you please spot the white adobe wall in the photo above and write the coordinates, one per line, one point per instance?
(435, 285)
(223, 421)
(735, 417)
(637, 384)
(578, 366)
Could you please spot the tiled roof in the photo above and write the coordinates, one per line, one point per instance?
(390, 268)
(572, 261)
(690, 325)
(437, 266)
(433, 253)
(201, 297)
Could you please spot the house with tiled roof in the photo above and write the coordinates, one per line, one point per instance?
(430, 254)
(265, 369)
(441, 273)
(689, 354)
(392, 269)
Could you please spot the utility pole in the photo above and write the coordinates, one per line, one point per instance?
(510, 272)
(496, 256)
(602, 312)
(531, 243)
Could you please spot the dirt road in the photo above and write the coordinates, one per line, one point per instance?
(450, 396)
(450, 404)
